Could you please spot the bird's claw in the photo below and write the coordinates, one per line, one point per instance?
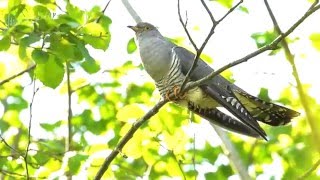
(176, 93)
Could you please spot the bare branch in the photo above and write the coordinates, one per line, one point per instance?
(29, 128)
(312, 120)
(18, 74)
(230, 11)
(232, 154)
(270, 46)
(69, 138)
(211, 32)
(131, 11)
(104, 9)
(308, 173)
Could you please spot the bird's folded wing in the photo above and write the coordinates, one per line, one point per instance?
(217, 89)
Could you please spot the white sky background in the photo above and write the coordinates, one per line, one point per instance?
(231, 41)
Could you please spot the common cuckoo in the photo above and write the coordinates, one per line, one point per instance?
(168, 65)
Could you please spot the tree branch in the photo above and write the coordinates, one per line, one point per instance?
(29, 128)
(271, 46)
(232, 154)
(69, 138)
(131, 11)
(312, 120)
(104, 9)
(17, 75)
(211, 32)
(308, 173)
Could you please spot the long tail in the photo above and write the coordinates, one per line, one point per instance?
(265, 112)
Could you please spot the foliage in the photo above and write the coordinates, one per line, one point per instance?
(54, 37)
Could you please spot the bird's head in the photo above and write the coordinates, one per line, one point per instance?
(143, 28)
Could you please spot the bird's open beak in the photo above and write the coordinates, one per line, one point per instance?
(134, 28)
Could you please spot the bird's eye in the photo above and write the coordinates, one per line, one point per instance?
(147, 28)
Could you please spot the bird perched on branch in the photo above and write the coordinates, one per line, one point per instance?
(168, 65)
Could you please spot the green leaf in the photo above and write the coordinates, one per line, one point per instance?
(44, 1)
(25, 42)
(264, 94)
(41, 11)
(244, 9)
(39, 56)
(51, 127)
(226, 3)
(75, 162)
(96, 42)
(130, 113)
(90, 66)
(17, 10)
(315, 40)
(264, 38)
(96, 36)
(10, 20)
(13, 3)
(61, 46)
(75, 13)
(50, 73)
(131, 46)
(5, 43)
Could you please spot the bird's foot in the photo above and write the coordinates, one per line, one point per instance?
(176, 93)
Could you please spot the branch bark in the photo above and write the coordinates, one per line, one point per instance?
(17, 75)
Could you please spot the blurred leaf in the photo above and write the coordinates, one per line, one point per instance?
(134, 147)
(264, 95)
(75, 13)
(39, 56)
(51, 127)
(131, 46)
(130, 113)
(25, 42)
(206, 58)
(10, 20)
(90, 66)
(45, 1)
(243, 9)
(75, 162)
(263, 38)
(5, 43)
(225, 3)
(50, 73)
(315, 40)
(41, 11)
(96, 35)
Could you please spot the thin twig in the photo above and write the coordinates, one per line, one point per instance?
(308, 173)
(10, 147)
(271, 46)
(18, 74)
(290, 57)
(29, 127)
(69, 138)
(211, 32)
(104, 9)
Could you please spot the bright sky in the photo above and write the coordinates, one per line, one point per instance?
(230, 42)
